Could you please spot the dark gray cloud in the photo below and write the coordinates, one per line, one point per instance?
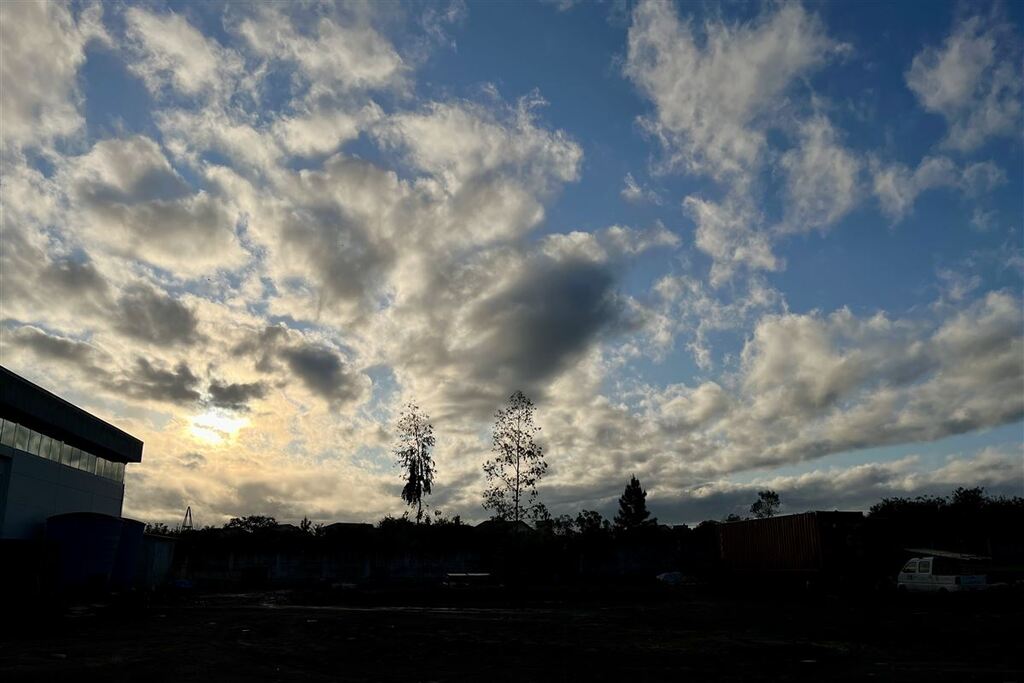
(263, 347)
(236, 395)
(149, 315)
(49, 346)
(321, 369)
(545, 319)
(172, 386)
(74, 275)
(324, 372)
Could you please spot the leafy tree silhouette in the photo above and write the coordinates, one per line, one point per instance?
(766, 505)
(251, 523)
(413, 453)
(633, 512)
(518, 462)
(590, 522)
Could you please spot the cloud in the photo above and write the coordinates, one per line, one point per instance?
(731, 233)
(42, 46)
(171, 53)
(235, 395)
(687, 307)
(132, 202)
(493, 166)
(632, 192)
(897, 187)
(50, 347)
(152, 316)
(338, 52)
(857, 487)
(822, 178)
(325, 373)
(716, 91)
(530, 327)
(973, 81)
(153, 383)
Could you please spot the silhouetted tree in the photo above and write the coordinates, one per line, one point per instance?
(590, 522)
(972, 498)
(305, 525)
(732, 517)
(251, 523)
(766, 505)
(440, 519)
(518, 462)
(633, 510)
(159, 529)
(413, 453)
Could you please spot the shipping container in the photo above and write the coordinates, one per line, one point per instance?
(805, 544)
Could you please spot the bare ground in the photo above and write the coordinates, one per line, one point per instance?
(664, 635)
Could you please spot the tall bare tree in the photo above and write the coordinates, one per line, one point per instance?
(413, 453)
(518, 462)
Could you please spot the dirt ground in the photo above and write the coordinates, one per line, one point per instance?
(669, 635)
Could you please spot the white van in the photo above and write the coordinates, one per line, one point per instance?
(938, 574)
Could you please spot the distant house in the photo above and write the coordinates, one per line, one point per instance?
(56, 458)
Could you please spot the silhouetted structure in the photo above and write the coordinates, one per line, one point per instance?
(56, 458)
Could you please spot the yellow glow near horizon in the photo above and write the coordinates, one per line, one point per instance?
(215, 427)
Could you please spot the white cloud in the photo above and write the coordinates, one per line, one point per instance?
(333, 54)
(173, 53)
(731, 233)
(897, 187)
(634, 193)
(715, 93)
(126, 197)
(822, 178)
(42, 46)
(973, 80)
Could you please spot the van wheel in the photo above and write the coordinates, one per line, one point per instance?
(943, 591)
(901, 589)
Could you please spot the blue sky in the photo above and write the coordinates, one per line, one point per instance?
(723, 246)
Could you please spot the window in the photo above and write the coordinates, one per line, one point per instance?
(55, 450)
(7, 437)
(910, 567)
(17, 436)
(34, 441)
(21, 438)
(925, 567)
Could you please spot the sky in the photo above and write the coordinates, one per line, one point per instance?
(722, 246)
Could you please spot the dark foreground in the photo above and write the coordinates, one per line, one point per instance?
(663, 635)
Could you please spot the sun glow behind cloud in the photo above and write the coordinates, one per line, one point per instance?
(215, 427)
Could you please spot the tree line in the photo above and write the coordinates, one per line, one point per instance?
(514, 471)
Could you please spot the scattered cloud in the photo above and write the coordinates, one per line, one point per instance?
(305, 233)
(634, 193)
(716, 90)
(972, 80)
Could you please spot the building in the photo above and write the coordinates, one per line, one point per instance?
(55, 458)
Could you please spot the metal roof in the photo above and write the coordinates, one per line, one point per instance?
(36, 408)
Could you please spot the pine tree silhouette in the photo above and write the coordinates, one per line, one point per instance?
(633, 510)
